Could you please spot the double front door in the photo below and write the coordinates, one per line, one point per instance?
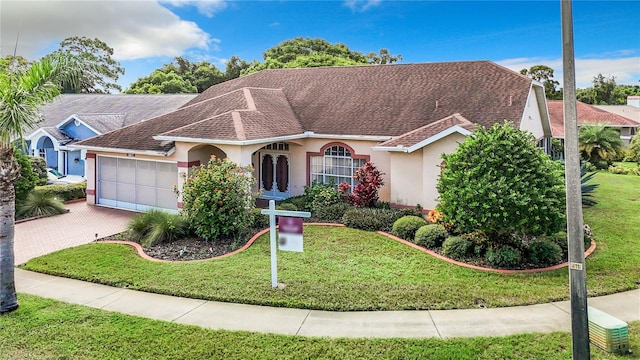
(274, 175)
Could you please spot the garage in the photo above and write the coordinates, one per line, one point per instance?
(136, 184)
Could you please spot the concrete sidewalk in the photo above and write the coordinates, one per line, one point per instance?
(381, 324)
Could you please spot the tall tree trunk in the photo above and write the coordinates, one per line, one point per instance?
(9, 172)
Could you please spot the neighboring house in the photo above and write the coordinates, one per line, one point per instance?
(73, 117)
(630, 111)
(591, 115)
(299, 126)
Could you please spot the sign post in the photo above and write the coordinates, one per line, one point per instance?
(290, 234)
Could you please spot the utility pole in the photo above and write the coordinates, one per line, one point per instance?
(575, 231)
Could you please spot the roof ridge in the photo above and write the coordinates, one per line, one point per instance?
(207, 100)
(238, 125)
(464, 121)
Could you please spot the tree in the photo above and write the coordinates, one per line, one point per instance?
(160, 82)
(605, 91)
(100, 70)
(599, 144)
(544, 75)
(499, 182)
(179, 76)
(634, 150)
(306, 52)
(235, 66)
(21, 95)
(383, 57)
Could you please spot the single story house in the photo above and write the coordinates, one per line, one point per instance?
(73, 117)
(299, 126)
(630, 111)
(591, 115)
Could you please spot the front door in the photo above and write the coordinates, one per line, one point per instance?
(274, 175)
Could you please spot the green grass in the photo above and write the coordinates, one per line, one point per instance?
(46, 329)
(347, 269)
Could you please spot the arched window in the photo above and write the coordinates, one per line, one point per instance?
(335, 165)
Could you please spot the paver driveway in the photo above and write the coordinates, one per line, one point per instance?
(81, 225)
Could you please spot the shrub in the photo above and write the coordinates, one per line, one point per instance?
(39, 167)
(287, 207)
(370, 219)
(300, 202)
(479, 241)
(504, 257)
(621, 170)
(560, 239)
(27, 180)
(406, 227)
(431, 236)
(365, 194)
(332, 213)
(416, 211)
(319, 195)
(633, 152)
(499, 182)
(599, 144)
(456, 247)
(258, 220)
(156, 226)
(64, 192)
(544, 252)
(39, 204)
(216, 197)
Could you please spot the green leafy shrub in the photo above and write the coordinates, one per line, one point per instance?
(504, 257)
(300, 202)
(216, 199)
(633, 152)
(39, 205)
(560, 239)
(406, 227)
(319, 195)
(431, 236)
(456, 247)
(257, 220)
(370, 219)
(287, 207)
(333, 213)
(499, 182)
(64, 192)
(27, 180)
(156, 226)
(621, 170)
(479, 241)
(544, 252)
(39, 167)
(416, 211)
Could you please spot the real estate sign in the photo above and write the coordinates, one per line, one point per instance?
(290, 234)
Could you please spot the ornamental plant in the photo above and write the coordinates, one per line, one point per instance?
(365, 194)
(217, 199)
(499, 182)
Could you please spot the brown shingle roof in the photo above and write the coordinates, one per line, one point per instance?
(416, 136)
(587, 114)
(381, 100)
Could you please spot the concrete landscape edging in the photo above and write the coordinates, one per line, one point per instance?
(255, 237)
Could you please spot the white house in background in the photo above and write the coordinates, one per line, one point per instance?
(74, 117)
(299, 126)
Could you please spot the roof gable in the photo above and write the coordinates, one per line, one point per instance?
(587, 115)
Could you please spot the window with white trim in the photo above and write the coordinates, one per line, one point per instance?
(335, 166)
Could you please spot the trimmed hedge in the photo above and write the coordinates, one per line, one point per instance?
(504, 257)
(332, 213)
(406, 226)
(64, 192)
(431, 236)
(456, 247)
(370, 219)
(544, 252)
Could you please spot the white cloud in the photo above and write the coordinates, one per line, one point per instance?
(625, 69)
(361, 5)
(135, 29)
(205, 7)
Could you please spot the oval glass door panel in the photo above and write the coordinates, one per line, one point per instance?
(267, 172)
(282, 173)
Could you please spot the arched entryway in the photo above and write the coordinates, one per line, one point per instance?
(45, 149)
(201, 154)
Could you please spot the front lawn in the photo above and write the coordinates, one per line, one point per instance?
(347, 269)
(47, 329)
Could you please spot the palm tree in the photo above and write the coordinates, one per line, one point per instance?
(599, 144)
(22, 92)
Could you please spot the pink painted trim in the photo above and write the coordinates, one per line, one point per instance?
(76, 200)
(91, 155)
(91, 191)
(188, 164)
(589, 251)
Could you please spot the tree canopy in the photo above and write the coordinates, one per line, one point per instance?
(100, 70)
(544, 74)
(306, 52)
(605, 91)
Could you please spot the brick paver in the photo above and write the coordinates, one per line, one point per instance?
(83, 224)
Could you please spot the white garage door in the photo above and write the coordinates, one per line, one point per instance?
(136, 184)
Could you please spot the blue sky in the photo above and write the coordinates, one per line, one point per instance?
(518, 34)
